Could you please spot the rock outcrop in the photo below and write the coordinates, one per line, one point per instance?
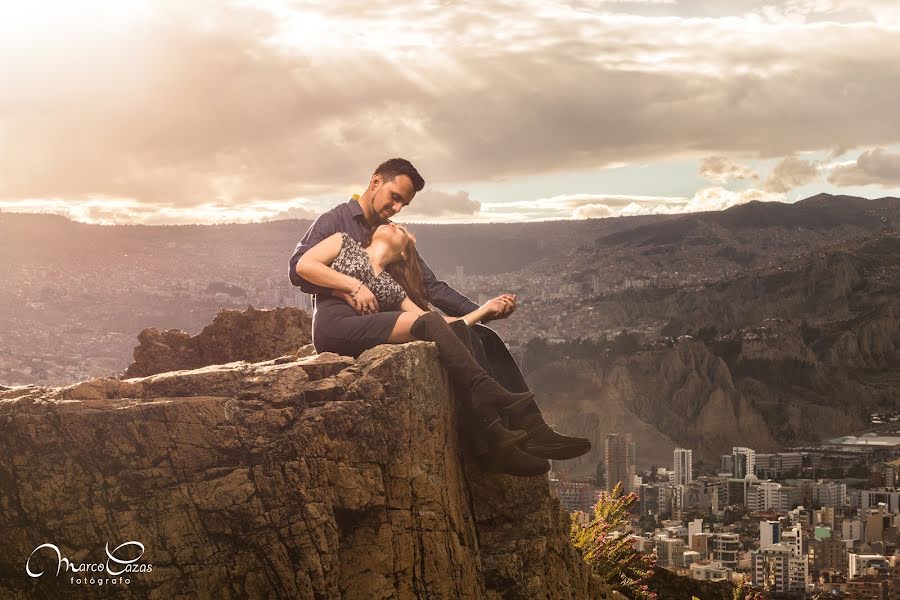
(251, 335)
(317, 477)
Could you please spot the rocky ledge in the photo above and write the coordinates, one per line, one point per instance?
(296, 477)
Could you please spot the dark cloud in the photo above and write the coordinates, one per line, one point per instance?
(873, 167)
(791, 172)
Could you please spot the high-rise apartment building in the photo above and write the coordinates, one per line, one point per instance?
(743, 462)
(683, 466)
(619, 456)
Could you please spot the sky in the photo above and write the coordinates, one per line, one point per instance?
(161, 112)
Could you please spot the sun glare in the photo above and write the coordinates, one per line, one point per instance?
(33, 20)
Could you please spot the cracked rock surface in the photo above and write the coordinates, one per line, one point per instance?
(296, 477)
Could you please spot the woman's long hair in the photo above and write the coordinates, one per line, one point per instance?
(408, 273)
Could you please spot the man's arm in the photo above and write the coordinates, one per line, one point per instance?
(443, 296)
(323, 227)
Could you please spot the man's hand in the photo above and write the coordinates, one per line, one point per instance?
(505, 305)
(365, 303)
(345, 296)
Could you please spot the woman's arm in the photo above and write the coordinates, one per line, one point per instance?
(315, 267)
(489, 308)
(411, 307)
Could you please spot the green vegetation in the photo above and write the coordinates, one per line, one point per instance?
(607, 548)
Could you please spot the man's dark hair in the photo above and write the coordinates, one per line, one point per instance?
(390, 168)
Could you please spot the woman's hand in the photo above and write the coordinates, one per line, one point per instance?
(494, 306)
(364, 301)
(500, 307)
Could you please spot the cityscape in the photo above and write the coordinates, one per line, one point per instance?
(804, 521)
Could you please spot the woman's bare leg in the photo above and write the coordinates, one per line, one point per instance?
(400, 333)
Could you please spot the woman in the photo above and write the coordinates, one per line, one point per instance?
(385, 282)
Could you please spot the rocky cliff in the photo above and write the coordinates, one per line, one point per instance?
(295, 477)
(778, 384)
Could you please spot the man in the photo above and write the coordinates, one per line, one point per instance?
(391, 188)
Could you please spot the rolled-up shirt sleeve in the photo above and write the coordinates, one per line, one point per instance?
(323, 227)
(443, 296)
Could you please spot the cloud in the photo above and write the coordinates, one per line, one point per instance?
(872, 167)
(593, 211)
(434, 203)
(295, 212)
(582, 206)
(119, 211)
(211, 104)
(570, 206)
(706, 199)
(721, 170)
(791, 172)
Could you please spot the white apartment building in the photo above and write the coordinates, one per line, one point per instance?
(829, 493)
(775, 568)
(683, 466)
(743, 462)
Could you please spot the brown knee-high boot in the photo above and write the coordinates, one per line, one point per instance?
(511, 460)
(487, 396)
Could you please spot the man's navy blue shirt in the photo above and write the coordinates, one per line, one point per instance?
(349, 218)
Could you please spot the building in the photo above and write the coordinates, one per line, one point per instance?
(683, 466)
(829, 554)
(829, 493)
(649, 499)
(694, 527)
(725, 548)
(776, 568)
(860, 564)
(769, 533)
(793, 539)
(575, 495)
(867, 587)
(737, 490)
(743, 462)
(670, 552)
(890, 472)
(872, 498)
(776, 465)
(825, 516)
(768, 495)
(619, 456)
(726, 467)
(852, 529)
(691, 557)
(710, 571)
(700, 543)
